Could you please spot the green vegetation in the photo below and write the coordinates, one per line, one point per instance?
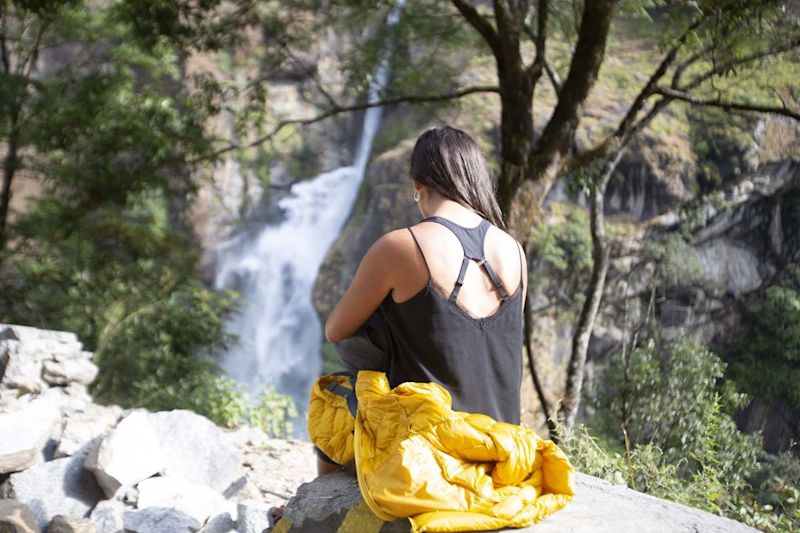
(106, 250)
(767, 361)
(675, 261)
(663, 426)
(563, 247)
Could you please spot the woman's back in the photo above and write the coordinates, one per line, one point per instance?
(455, 312)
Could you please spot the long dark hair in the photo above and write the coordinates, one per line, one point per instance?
(450, 162)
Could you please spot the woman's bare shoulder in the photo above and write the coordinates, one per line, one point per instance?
(394, 244)
(505, 239)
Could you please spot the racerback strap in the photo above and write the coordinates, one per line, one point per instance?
(471, 240)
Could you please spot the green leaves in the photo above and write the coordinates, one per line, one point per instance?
(664, 415)
(767, 361)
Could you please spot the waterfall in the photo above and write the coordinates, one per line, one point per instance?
(274, 269)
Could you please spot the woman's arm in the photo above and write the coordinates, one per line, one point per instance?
(371, 284)
(524, 273)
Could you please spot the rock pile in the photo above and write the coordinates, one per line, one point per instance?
(70, 465)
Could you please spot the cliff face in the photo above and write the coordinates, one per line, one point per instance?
(746, 243)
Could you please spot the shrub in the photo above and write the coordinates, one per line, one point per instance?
(665, 425)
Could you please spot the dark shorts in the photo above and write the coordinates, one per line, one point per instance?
(368, 347)
(324, 457)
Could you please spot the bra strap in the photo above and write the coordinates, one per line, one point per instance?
(496, 280)
(460, 280)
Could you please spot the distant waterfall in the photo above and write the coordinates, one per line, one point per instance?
(274, 270)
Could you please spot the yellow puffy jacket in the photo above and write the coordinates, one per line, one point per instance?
(444, 470)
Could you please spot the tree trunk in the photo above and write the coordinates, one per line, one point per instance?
(516, 136)
(524, 194)
(594, 295)
(10, 166)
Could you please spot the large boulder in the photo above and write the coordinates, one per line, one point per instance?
(253, 517)
(159, 520)
(61, 486)
(70, 524)
(84, 426)
(107, 516)
(24, 435)
(197, 501)
(179, 443)
(334, 501)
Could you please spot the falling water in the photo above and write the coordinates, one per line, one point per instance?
(274, 270)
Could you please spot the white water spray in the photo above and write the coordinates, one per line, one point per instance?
(274, 270)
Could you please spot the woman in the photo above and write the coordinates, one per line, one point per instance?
(451, 288)
(447, 294)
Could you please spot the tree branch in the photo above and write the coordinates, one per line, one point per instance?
(539, 38)
(553, 75)
(724, 67)
(479, 23)
(344, 109)
(727, 105)
(555, 140)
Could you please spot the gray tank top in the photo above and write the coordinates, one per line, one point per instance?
(433, 339)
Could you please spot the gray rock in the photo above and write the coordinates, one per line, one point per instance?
(60, 486)
(253, 517)
(130, 453)
(65, 371)
(159, 520)
(16, 517)
(23, 366)
(24, 350)
(179, 443)
(28, 334)
(327, 502)
(83, 427)
(197, 501)
(324, 504)
(730, 265)
(107, 516)
(24, 435)
(221, 523)
(70, 524)
(601, 506)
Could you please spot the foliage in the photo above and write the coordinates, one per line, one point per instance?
(105, 250)
(768, 500)
(664, 416)
(676, 262)
(224, 401)
(273, 412)
(721, 142)
(767, 360)
(564, 247)
(645, 392)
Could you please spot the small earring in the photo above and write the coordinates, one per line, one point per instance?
(416, 195)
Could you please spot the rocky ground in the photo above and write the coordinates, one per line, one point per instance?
(68, 464)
